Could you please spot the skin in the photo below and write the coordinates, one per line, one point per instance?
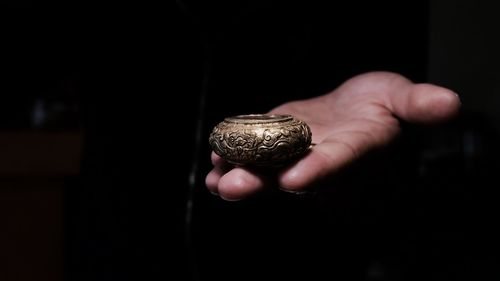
(360, 115)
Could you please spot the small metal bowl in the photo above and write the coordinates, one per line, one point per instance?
(262, 140)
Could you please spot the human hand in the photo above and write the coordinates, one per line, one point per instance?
(360, 115)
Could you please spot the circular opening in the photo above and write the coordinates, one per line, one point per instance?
(259, 118)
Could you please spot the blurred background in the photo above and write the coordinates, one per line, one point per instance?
(79, 132)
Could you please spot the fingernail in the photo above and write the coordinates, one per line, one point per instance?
(230, 199)
(296, 192)
(459, 99)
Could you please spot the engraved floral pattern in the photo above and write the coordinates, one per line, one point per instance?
(261, 143)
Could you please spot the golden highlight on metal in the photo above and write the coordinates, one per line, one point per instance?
(263, 140)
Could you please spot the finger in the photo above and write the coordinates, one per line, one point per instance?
(424, 103)
(213, 177)
(216, 159)
(220, 168)
(321, 162)
(240, 183)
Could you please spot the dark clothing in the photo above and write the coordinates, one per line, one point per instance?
(142, 77)
(152, 85)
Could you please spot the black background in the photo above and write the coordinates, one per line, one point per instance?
(423, 208)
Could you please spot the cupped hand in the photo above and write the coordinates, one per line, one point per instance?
(360, 115)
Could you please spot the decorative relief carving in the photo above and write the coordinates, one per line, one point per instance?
(260, 139)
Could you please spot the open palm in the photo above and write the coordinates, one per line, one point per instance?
(361, 115)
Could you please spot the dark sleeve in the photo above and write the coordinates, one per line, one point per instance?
(264, 55)
(142, 77)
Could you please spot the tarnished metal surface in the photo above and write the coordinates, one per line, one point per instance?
(260, 139)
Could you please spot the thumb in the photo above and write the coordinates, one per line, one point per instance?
(425, 103)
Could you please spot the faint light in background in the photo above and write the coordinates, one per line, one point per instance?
(39, 114)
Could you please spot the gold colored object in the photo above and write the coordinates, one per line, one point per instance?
(260, 139)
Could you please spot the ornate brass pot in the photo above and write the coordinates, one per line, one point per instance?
(260, 139)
